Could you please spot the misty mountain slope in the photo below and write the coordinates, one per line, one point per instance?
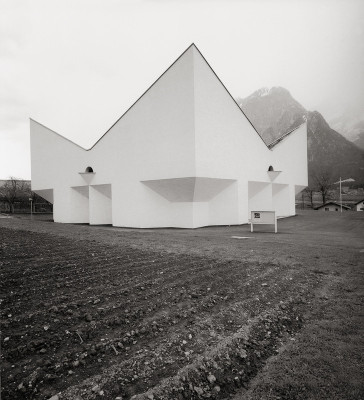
(330, 151)
(359, 142)
(275, 112)
(272, 111)
(350, 124)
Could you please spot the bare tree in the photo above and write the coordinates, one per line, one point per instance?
(14, 190)
(309, 192)
(323, 183)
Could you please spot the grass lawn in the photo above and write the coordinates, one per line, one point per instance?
(111, 313)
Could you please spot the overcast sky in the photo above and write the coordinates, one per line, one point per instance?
(77, 65)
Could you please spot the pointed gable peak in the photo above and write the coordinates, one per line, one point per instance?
(192, 45)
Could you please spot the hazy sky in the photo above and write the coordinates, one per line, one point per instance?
(77, 65)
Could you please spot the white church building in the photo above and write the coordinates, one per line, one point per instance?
(183, 155)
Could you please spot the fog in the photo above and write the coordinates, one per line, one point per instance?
(77, 66)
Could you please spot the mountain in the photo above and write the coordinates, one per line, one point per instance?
(275, 112)
(350, 124)
(359, 141)
(330, 151)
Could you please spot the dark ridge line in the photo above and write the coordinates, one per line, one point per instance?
(228, 92)
(58, 134)
(276, 141)
(147, 90)
(123, 113)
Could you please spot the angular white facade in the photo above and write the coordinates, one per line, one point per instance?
(184, 155)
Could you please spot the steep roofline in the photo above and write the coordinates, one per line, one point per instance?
(98, 140)
(228, 92)
(281, 138)
(191, 45)
(58, 134)
(147, 90)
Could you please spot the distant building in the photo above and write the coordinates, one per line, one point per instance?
(359, 206)
(332, 206)
(183, 155)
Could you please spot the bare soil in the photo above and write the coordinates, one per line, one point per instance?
(99, 312)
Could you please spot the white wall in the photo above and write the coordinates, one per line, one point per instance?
(290, 157)
(281, 199)
(260, 196)
(224, 207)
(100, 205)
(79, 201)
(55, 161)
(227, 146)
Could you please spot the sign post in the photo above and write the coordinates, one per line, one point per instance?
(340, 182)
(31, 207)
(263, 218)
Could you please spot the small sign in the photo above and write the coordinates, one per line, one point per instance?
(263, 217)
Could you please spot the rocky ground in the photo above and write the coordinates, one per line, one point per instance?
(100, 312)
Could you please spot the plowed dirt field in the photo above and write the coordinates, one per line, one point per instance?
(101, 312)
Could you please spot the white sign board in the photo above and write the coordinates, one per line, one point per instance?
(264, 218)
